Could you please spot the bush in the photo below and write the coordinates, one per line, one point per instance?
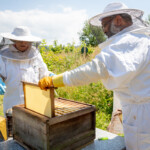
(94, 93)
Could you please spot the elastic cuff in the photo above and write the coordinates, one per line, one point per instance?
(58, 80)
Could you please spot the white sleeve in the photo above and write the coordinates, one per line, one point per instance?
(2, 69)
(43, 70)
(85, 74)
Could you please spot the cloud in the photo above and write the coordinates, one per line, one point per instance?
(62, 26)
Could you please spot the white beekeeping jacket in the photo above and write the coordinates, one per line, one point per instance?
(16, 67)
(124, 67)
(127, 61)
(121, 60)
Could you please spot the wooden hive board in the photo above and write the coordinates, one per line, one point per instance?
(39, 100)
(64, 106)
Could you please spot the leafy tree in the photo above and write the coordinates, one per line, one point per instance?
(92, 35)
(148, 20)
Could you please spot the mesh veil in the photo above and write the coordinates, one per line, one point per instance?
(8, 51)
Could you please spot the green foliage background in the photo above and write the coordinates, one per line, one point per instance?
(1, 105)
(92, 35)
(94, 93)
(63, 58)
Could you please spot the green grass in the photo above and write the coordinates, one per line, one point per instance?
(1, 105)
(102, 120)
(94, 94)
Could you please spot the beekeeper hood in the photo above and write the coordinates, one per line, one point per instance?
(118, 8)
(20, 33)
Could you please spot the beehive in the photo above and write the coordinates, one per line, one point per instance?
(72, 127)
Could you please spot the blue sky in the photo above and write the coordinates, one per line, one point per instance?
(56, 19)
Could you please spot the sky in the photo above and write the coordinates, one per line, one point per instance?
(60, 20)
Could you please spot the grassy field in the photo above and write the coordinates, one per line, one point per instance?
(94, 93)
(1, 105)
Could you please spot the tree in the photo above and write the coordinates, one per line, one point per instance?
(148, 20)
(92, 35)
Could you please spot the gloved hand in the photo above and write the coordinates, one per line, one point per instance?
(45, 83)
(52, 74)
(3, 128)
(2, 87)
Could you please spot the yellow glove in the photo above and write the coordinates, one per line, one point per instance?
(3, 128)
(47, 82)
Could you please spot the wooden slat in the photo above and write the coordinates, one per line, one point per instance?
(67, 116)
(76, 142)
(30, 128)
(63, 106)
(60, 98)
(31, 118)
(52, 97)
(24, 94)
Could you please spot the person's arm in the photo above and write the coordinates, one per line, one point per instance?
(85, 74)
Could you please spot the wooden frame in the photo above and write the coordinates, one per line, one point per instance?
(38, 100)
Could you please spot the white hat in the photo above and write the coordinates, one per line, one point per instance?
(114, 9)
(21, 33)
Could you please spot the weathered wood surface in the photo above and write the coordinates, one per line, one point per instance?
(114, 142)
(64, 132)
(30, 128)
(52, 104)
(82, 109)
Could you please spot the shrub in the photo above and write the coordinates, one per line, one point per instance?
(94, 93)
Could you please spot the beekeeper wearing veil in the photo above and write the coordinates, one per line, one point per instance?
(20, 60)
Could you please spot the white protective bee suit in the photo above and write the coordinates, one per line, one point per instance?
(15, 67)
(124, 67)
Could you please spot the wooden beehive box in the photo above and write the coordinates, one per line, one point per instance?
(72, 127)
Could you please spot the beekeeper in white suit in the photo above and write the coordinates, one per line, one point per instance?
(19, 61)
(123, 66)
